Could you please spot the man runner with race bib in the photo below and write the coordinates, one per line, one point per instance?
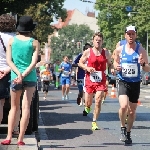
(93, 61)
(128, 60)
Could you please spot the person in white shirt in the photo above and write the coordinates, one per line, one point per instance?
(7, 31)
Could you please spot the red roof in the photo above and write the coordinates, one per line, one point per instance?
(61, 24)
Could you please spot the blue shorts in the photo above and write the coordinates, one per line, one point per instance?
(16, 87)
(65, 80)
(80, 84)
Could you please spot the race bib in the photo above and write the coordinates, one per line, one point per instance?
(96, 76)
(129, 70)
(65, 74)
(57, 73)
(80, 81)
(45, 78)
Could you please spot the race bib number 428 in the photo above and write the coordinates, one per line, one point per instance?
(129, 70)
(96, 76)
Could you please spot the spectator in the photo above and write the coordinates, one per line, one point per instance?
(22, 56)
(7, 31)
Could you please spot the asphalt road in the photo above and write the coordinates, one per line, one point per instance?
(62, 125)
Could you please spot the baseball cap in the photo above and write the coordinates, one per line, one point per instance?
(130, 28)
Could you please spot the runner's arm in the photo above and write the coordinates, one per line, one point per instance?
(117, 52)
(145, 65)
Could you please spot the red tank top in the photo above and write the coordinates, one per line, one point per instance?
(99, 63)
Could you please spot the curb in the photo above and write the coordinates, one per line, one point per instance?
(44, 142)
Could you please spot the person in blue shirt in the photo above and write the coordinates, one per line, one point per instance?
(123, 42)
(65, 68)
(128, 60)
(80, 73)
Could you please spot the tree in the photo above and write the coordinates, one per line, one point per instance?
(42, 11)
(114, 17)
(43, 16)
(69, 37)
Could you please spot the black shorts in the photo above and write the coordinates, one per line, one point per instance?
(5, 87)
(131, 89)
(45, 86)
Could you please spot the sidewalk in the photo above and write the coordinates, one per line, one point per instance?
(31, 143)
(66, 128)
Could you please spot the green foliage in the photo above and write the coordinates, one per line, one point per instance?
(66, 42)
(113, 18)
(42, 12)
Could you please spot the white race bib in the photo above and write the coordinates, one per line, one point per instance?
(65, 74)
(80, 81)
(129, 70)
(96, 76)
(45, 78)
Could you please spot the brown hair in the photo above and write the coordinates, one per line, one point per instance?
(98, 34)
(7, 23)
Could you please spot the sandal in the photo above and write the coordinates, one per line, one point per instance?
(6, 142)
(20, 143)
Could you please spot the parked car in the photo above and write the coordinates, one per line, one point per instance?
(112, 79)
(145, 78)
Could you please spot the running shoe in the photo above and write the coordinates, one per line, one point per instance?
(94, 126)
(128, 140)
(87, 110)
(67, 97)
(123, 134)
(63, 98)
(78, 100)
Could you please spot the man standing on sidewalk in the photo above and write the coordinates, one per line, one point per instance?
(93, 61)
(128, 59)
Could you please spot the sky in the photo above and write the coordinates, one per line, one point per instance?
(81, 6)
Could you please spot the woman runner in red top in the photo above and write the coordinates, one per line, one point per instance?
(93, 61)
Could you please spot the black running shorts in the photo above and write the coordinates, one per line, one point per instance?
(131, 89)
(45, 86)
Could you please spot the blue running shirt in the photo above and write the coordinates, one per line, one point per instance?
(130, 67)
(67, 68)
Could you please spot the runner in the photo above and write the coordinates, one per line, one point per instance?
(46, 76)
(93, 61)
(56, 74)
(128, 59)
(65, 68)
(80, 73)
